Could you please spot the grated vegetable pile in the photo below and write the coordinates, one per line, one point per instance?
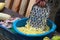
(31, 30)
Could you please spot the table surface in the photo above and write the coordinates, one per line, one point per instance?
(10, 12)
(6, 31)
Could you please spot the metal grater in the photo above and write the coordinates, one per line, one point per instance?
(38, 16)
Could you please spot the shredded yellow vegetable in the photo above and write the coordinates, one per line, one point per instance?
(31, 30)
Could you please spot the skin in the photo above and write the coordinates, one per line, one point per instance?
(41, 3)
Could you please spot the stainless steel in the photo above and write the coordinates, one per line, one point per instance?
(38, 16)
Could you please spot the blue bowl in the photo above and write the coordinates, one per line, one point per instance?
(22, 22)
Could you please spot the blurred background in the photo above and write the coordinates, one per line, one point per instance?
(22, 6)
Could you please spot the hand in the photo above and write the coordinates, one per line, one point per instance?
(41, 3)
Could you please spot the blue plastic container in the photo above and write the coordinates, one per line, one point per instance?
(22, 22)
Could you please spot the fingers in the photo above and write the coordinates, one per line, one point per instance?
(42, 3)
(46, 0)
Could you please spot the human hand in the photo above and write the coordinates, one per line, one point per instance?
(41, 3)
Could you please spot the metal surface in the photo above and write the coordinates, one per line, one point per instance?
(38, 16)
